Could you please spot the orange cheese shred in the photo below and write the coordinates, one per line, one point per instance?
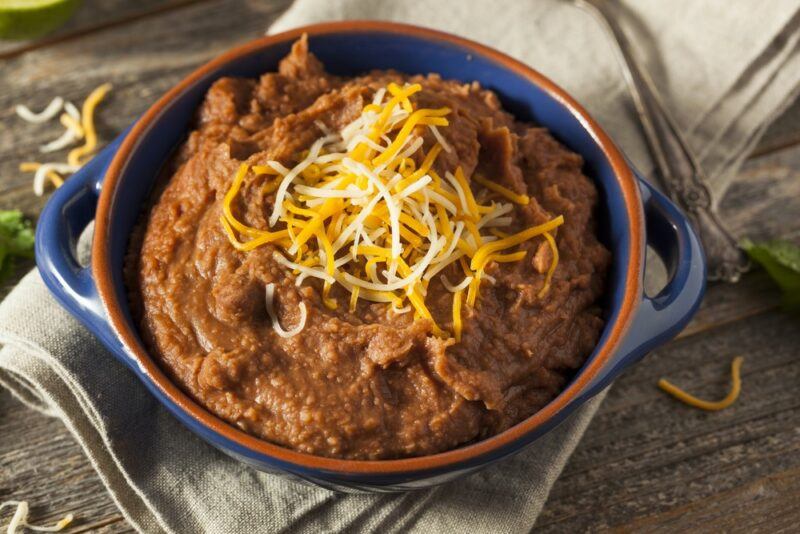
(691, 400)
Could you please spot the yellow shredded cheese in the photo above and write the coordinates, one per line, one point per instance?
(472, 289)
(691, 400)
(87, 123)
(354, 298)
(504, 191)
(481, 256)
(70, 123)
(358, 212)
(457, 326)
(53, 176)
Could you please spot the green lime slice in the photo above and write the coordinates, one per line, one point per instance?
(27, 19)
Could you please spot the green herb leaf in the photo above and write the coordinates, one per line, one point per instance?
(781, 259)
(16, 240)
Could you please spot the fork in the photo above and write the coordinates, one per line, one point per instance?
(681, 176)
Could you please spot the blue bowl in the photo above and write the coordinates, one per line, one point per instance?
(115, 185)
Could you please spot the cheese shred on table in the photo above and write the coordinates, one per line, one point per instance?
(79, 125)
(691, 400)
(357, 211)
(19, 520)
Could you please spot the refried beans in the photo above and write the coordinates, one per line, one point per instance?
(366, 383)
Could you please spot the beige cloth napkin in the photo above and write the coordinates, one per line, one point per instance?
(725, 71)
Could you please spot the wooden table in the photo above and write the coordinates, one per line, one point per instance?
(647, 463)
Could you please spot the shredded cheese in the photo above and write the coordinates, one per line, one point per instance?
(45, 115)
(43, 171)
(456, 288)
(365, 209)
(276, 325)
(78, 125)
(63, 141)
(72, 123)
(504, 191)
(73, 112)
(553, 264)
(20, 519)
(87, 123)
(457, 325)
(691, 400)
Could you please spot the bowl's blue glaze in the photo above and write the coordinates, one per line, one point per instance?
(348, 50)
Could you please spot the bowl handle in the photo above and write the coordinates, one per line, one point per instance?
(68, 212)
(661, 317)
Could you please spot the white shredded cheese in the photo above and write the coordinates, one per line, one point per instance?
(72, 120)
(63, 141)
(440, 139)
(416, 186)
(280, 196)
(40, 177)
(45, 115)
(451, 288)
(72, 111)
(308, 271)
(400, 311)
(278, 167)
(20, 519)
(276, 325)
(322, 127)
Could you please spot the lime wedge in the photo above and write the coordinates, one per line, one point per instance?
(26, 19)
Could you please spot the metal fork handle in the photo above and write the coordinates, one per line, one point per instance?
(681, 176)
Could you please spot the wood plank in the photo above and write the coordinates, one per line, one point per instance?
(725, 303)
(92, 16)
(765, 503)
(41, 463)
(627, 468)
(763, 201)
(782, 134)
(142, 60)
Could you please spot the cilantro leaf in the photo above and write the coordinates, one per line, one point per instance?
(16, 240)
(781, 259)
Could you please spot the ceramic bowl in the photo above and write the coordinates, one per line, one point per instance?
(114, 186)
